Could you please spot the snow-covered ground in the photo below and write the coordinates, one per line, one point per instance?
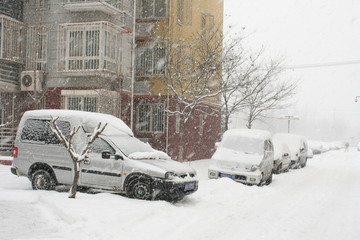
(320, 201)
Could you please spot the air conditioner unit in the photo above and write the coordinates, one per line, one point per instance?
(31, 80)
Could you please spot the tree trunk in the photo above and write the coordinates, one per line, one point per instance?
(181, 141)
(73, 189)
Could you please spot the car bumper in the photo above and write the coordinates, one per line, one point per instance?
(246, 177)
(14, 171)
(172, 190)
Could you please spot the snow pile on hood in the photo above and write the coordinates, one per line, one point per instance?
(228, 158)
(149, 155)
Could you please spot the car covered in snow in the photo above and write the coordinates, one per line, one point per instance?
(118, 161)
(358, 146)
(244, 155)
(298, 148)
(282, 160)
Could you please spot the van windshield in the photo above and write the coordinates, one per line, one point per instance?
(243, 144)
(128, 144)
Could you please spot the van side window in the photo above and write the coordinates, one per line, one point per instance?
(100, 145)
(38, 130)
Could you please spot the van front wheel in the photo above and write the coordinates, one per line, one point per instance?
(141, 190)
(42, 180)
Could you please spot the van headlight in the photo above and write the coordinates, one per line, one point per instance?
(169, 175)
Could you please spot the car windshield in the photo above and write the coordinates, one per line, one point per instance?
(128, 144)
(243, 144)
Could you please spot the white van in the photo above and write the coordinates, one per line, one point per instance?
(298, 148)
(244, 155)
(118, 161)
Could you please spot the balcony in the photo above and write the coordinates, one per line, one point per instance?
(111, 7)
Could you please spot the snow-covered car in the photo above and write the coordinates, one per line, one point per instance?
(244, 155)
(298, 148)
(310, 153)
(358, 146)
(282, 160)
(118, 161)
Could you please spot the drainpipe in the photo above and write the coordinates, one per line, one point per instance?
(133, 70)
(168, 97)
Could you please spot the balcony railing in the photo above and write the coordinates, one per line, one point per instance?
(107, 6)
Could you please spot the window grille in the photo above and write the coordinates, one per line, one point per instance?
(36, 48)
(150, 59)
(151, 118)
(11, 34)
(93, 46)
(81, 103)
(153, 9)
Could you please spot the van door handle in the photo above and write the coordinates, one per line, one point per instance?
(87, 162)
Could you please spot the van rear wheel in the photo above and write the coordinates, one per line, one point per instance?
(42, 180)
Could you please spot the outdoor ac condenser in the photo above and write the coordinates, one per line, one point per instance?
(31, 80)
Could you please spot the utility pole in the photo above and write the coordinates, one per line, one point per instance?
(289, 118)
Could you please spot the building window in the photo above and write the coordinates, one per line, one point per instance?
(42, 3)
(1, 114)
(152, 9)
(96, 100)
(184, 57)
(81, 103)
(207, 25)
(151, 118)
(36, 48)
(90, 47)
(184, 12)
(10, 39)
(150, 59)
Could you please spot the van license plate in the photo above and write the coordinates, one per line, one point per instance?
(227, 175)
(189, 186)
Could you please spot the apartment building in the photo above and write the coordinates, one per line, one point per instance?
(78, 54)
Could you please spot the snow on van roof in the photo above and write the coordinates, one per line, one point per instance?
(88, 120)
(249, 133)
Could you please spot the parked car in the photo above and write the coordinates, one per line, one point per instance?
(298, 148)
(244, 155)
(118, 161)
(310, 153)
(282, 160)
(358, 146)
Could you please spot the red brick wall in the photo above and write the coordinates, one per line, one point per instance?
(197, 145)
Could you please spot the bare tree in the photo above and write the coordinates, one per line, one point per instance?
(265, 91)
(76, 157)
(193, 73)
(238, 67)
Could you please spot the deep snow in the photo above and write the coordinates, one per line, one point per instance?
(320, 201)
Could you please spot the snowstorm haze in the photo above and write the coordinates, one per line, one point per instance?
(320, 40)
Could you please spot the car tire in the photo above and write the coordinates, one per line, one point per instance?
(278, 169)
(42, 180)
(304, 165)
(269, 180)
(141, 190)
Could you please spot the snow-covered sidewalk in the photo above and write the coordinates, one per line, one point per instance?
(320, 201)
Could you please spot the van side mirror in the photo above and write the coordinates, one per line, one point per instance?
(107, 155)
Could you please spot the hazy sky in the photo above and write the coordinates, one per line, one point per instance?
(321, 39)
